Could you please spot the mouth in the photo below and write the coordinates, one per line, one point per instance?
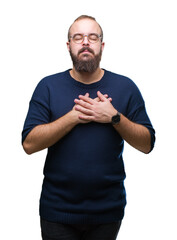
(86, 50)
(85, 53)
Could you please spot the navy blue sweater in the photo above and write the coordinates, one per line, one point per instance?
(84, 171)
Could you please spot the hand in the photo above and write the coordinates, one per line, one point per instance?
(99, 110)
(77, 113)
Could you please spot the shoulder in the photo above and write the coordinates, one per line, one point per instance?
(125, 88)
(51, 79)
(121, 81)
(48, 83)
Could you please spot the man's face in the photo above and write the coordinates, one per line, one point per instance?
(86, 56)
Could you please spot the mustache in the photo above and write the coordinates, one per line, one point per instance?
(85, 48)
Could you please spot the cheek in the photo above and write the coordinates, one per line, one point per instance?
(97, 50)
(74, 49)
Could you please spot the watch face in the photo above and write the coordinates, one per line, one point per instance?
(116, 119)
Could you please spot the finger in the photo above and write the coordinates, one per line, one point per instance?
(86, 118)
(86, 99)
(98, 99)
(87, 95)
(83, 110)
(83, 103)
(101, 96)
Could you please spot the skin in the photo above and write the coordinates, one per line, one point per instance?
(86, 109)
(86, 26)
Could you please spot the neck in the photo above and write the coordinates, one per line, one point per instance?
(87, 78)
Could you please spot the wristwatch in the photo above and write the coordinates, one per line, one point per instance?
(116, 118)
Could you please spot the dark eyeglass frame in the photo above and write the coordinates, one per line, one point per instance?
(86, 35)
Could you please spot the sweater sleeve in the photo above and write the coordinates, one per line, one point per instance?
(39, 109)
(136, 112)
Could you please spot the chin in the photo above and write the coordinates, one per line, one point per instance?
(86, 56)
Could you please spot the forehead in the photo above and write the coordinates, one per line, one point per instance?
(85, 26)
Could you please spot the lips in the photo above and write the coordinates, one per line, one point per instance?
(85, 50)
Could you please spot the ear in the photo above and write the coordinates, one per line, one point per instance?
(102, 46)
(68, 46)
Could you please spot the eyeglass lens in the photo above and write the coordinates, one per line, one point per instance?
(79, 38)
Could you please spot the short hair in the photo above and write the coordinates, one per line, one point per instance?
(85, 17)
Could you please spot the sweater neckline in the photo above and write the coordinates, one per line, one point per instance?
(83, 85)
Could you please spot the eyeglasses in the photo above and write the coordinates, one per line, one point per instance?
(79, 38)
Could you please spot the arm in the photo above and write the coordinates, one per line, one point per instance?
(45, 135)
(136, 135)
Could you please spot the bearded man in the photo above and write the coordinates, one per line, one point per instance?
(83, 116)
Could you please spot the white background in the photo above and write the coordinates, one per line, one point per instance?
(141, 43)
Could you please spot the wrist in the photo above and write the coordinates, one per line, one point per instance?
(73, 116)
(116, 118)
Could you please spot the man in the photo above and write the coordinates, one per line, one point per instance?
(83, 116)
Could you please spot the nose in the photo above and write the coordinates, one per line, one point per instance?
(85, 41)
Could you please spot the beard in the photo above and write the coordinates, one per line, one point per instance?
(88, 65)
